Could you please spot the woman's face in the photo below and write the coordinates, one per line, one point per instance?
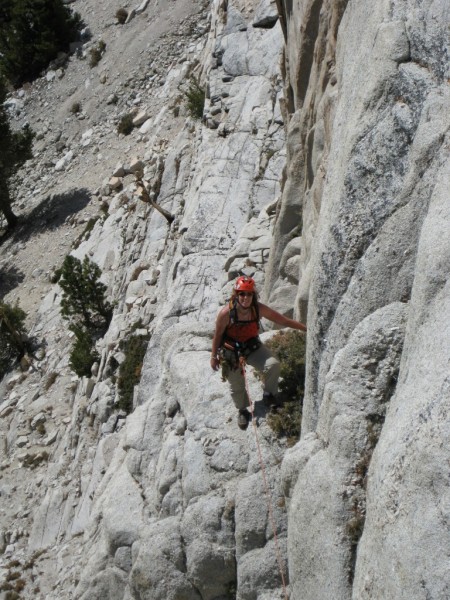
(245, 299)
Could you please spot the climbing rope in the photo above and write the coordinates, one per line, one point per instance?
(242, 363)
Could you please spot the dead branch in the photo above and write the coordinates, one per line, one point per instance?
(145, 197)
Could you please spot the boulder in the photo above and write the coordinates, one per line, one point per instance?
(266, 14)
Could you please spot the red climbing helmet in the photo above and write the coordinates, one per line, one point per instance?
(244, 284)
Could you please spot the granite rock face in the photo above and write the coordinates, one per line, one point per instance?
(368, 161)
(168, 499)
(320, 165)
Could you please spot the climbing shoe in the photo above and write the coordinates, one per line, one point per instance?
(243, 419)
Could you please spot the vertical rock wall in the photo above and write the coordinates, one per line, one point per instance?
(368, 163)
(168, 501)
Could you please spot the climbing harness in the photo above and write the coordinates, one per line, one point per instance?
(231, 352)
(241, 348)
(242, 364)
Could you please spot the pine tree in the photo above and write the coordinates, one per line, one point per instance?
(83, 296)
(83, 354)
(32, 32)
(15, 150)
(195, 97)
(84, 304)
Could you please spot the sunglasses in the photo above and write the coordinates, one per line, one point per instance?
(244, 294)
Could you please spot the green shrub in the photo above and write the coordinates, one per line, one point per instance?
(56, 275)
(195, 98)
(289, 347)
(95, 56)
(40, 428)
(12, 584)
(75, 108)
(32, 32)
(84, 304)
(125, 125)
(96, 53)
(130, 369)
(10, 594)
(50, 380)
(12, 331)
(121, 15)
(83, 299)
(286, 421)
(83, 354)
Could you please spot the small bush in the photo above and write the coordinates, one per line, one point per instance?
(286, 422)
(96, 54)
(195, 98)
(83, 354)
(95, 57)
(56, 275)
(289, 347)
(40, 428)
(50, 380)
(12, 331)
(134, 349)
(121, 15)
(13, 584)
(125, 125)
(32, 561)
(75, 108)
(10, 594)
(20, 584)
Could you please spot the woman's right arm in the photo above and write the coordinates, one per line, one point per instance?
(221, 325)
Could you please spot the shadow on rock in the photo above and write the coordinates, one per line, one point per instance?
(10, 277)
(50, 214)
(260, 410)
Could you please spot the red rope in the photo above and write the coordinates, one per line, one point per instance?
(266, 486)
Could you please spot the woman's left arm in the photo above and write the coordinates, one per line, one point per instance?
(278, 318)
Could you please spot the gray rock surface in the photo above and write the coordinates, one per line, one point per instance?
(366, 165)
(156, 496)
(331, 189)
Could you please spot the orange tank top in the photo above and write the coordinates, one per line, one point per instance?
(242, 331)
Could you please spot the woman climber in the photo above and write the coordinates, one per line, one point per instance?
(236, 335)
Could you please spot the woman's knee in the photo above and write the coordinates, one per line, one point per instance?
(272, 366)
